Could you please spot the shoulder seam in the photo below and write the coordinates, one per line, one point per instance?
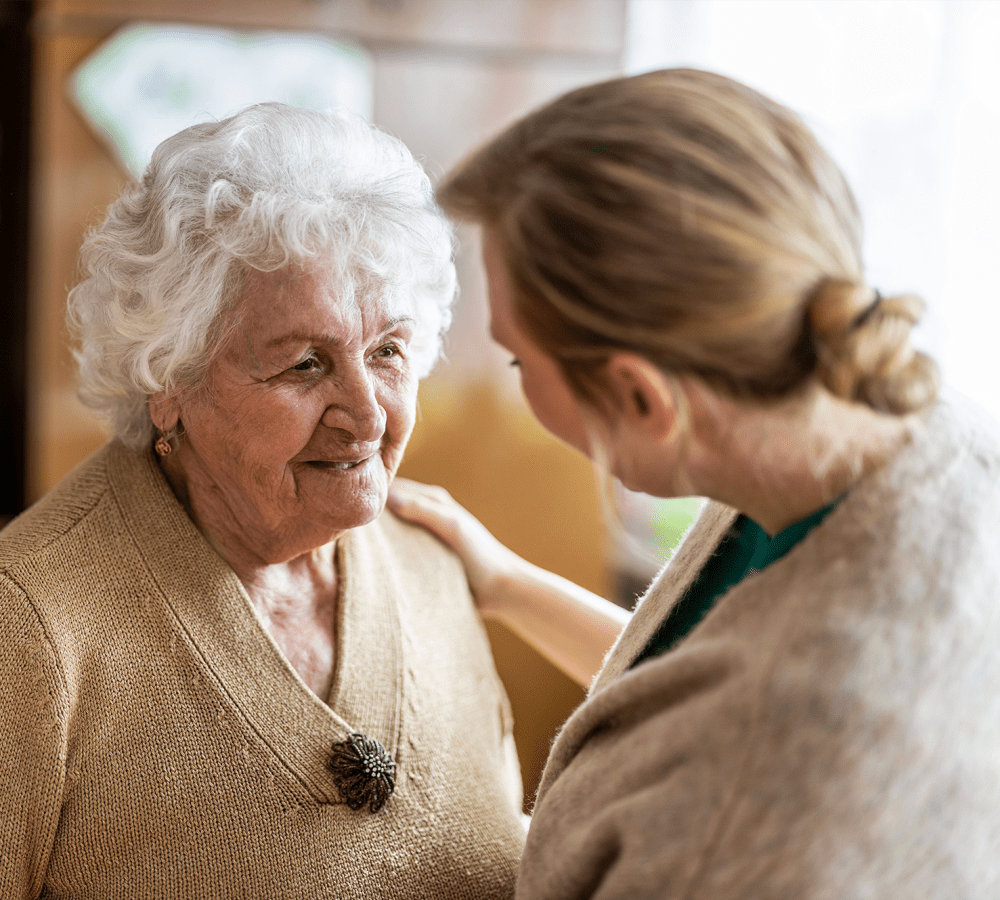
(6, 575)
(40, 862)
(6, 569)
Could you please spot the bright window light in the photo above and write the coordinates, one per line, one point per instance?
(148, 81)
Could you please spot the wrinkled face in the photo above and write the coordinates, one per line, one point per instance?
(542, 382)
(303, 416)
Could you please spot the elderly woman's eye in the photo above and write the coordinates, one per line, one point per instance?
(308, 365)
(387, 351)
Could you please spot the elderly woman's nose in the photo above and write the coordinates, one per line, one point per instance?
(355, 408)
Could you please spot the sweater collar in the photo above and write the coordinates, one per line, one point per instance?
(234, 656)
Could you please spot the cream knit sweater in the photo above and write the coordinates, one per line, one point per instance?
(831, 729)
(155, 743)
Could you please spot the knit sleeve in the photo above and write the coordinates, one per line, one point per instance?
(32, 745)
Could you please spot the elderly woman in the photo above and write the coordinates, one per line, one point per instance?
(804, 704)
(225, 671)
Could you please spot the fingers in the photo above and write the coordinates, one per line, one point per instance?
(429, 506)
(405, 489)
(433, 508)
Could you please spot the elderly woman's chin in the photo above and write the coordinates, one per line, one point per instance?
(292, 510)
(347, 489)
(333, 500)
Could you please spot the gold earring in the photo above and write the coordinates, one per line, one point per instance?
(162, 445)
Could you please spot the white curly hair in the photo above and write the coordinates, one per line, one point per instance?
(271, 186)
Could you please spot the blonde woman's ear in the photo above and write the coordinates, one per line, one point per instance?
(643, 396)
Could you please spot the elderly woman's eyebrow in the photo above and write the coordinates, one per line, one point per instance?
(310, 337)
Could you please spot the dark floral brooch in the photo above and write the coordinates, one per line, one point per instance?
(364, 771)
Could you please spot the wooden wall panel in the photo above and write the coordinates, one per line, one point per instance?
(519, 27)
(74, 181)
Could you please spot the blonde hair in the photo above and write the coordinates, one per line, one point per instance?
(686, 217)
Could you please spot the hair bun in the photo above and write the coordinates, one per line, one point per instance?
(863, 347)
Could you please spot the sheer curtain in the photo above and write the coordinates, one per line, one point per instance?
(906, 95)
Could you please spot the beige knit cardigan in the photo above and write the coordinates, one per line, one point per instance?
(831, 729)
(155, 743)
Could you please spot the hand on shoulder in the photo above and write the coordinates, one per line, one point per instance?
(487, 562)
(565, 623)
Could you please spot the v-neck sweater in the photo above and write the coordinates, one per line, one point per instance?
(156, 743)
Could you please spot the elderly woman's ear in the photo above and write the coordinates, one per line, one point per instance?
(164, 410)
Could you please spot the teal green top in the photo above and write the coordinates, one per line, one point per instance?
(745, 549)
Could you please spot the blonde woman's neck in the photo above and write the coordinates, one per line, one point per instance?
(778, 463)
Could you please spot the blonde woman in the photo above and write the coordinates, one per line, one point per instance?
(804, 703)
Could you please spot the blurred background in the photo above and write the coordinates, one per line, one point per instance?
(905, 93)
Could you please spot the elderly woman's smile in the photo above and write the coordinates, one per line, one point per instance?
(337, 465)
(303, 415)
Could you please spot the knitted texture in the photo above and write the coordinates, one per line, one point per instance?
(829, 731)
(155, 742)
